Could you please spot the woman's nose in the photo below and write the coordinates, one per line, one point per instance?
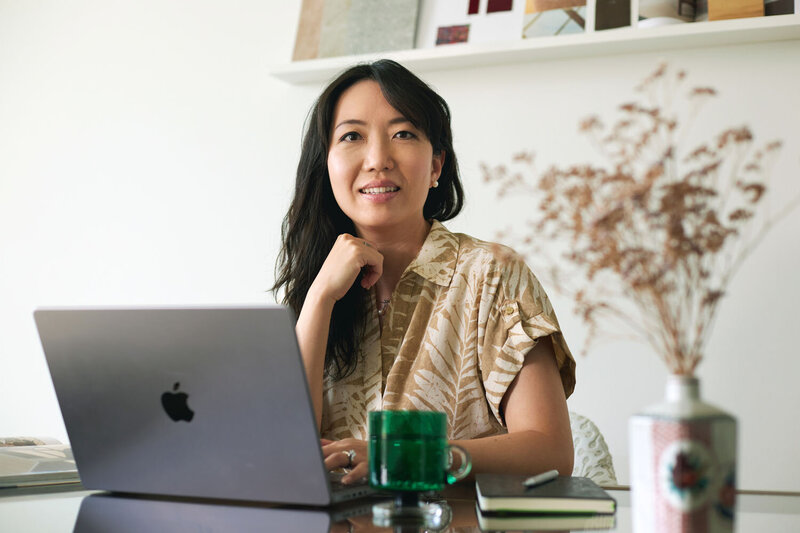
(378, 156)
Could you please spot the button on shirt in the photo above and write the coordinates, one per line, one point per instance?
(460, 322)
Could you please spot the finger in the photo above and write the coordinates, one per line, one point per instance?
(337, 460)
(330, 449)
(333, 446)
(367, 250)
(357, 474)
(370, 277)
(373, 270)
(332, 462)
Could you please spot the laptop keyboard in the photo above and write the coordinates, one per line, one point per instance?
(335, 478)
(340, 491)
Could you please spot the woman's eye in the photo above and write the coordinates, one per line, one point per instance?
(404, 135)
(350, 137)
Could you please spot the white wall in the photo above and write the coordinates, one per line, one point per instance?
(146, 156)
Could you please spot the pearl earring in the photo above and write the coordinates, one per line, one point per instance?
(435, 184)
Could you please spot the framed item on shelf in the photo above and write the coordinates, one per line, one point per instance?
(498, 6)
(610, 14)
(553, 17)
(778, 7)
(734, 9)
(352, 27)
(452, 34)
(444, 22)
(306, 44)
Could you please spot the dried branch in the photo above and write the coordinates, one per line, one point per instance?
(654, 236)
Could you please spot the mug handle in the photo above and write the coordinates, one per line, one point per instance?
(464, 468)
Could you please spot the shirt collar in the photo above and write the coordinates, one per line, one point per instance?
(436, 260)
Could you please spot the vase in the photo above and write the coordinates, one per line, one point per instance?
(683, 463)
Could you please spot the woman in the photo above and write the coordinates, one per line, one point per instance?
(396, 312)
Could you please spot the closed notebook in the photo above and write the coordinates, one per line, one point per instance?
(504, 493)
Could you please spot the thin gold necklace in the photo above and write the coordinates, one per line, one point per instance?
(384, 305)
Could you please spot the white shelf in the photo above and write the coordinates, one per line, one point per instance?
(601, 43)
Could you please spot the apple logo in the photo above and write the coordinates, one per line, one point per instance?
(175, 404)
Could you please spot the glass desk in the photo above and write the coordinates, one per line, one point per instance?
(85, 512)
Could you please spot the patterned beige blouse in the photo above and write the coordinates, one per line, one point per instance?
(462, 318)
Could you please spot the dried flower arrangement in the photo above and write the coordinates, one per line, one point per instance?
(666, 229)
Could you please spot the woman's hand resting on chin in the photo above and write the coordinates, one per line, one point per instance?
(349, 257)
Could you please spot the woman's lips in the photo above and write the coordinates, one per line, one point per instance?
(379, 194)
(378, 190)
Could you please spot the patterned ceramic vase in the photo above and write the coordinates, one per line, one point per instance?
(683, 464)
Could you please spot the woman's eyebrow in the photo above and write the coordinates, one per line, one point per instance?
(354, 121)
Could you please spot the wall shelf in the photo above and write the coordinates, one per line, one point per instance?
(593, 44)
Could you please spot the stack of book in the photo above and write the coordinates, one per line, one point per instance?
(504, 502)
(26, 463)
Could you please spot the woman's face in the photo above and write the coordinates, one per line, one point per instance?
(380, 165)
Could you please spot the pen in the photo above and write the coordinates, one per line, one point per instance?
(540, 479)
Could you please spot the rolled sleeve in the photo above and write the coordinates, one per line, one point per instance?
(513, 328)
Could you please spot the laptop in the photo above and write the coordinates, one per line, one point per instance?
(191, 402)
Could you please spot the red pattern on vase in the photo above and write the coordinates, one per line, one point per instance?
(681, 463)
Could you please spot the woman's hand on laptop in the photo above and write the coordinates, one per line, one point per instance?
(349, 454)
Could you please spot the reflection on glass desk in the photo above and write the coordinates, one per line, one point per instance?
(90, 512)
(100, 513)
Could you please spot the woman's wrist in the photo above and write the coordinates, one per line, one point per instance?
(318, 300)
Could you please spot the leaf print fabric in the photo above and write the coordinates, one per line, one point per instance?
(462, 318)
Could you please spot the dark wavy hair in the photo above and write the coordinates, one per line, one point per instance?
(314, 220)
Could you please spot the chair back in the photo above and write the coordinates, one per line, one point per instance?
(592, 458)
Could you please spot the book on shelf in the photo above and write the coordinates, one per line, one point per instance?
(29, 465)
(506, 493)
(543, 521)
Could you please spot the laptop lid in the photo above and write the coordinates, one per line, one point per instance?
(197, 402)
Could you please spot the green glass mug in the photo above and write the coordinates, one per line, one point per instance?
(408, 451)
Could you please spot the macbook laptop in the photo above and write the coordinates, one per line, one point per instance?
(191, 402)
